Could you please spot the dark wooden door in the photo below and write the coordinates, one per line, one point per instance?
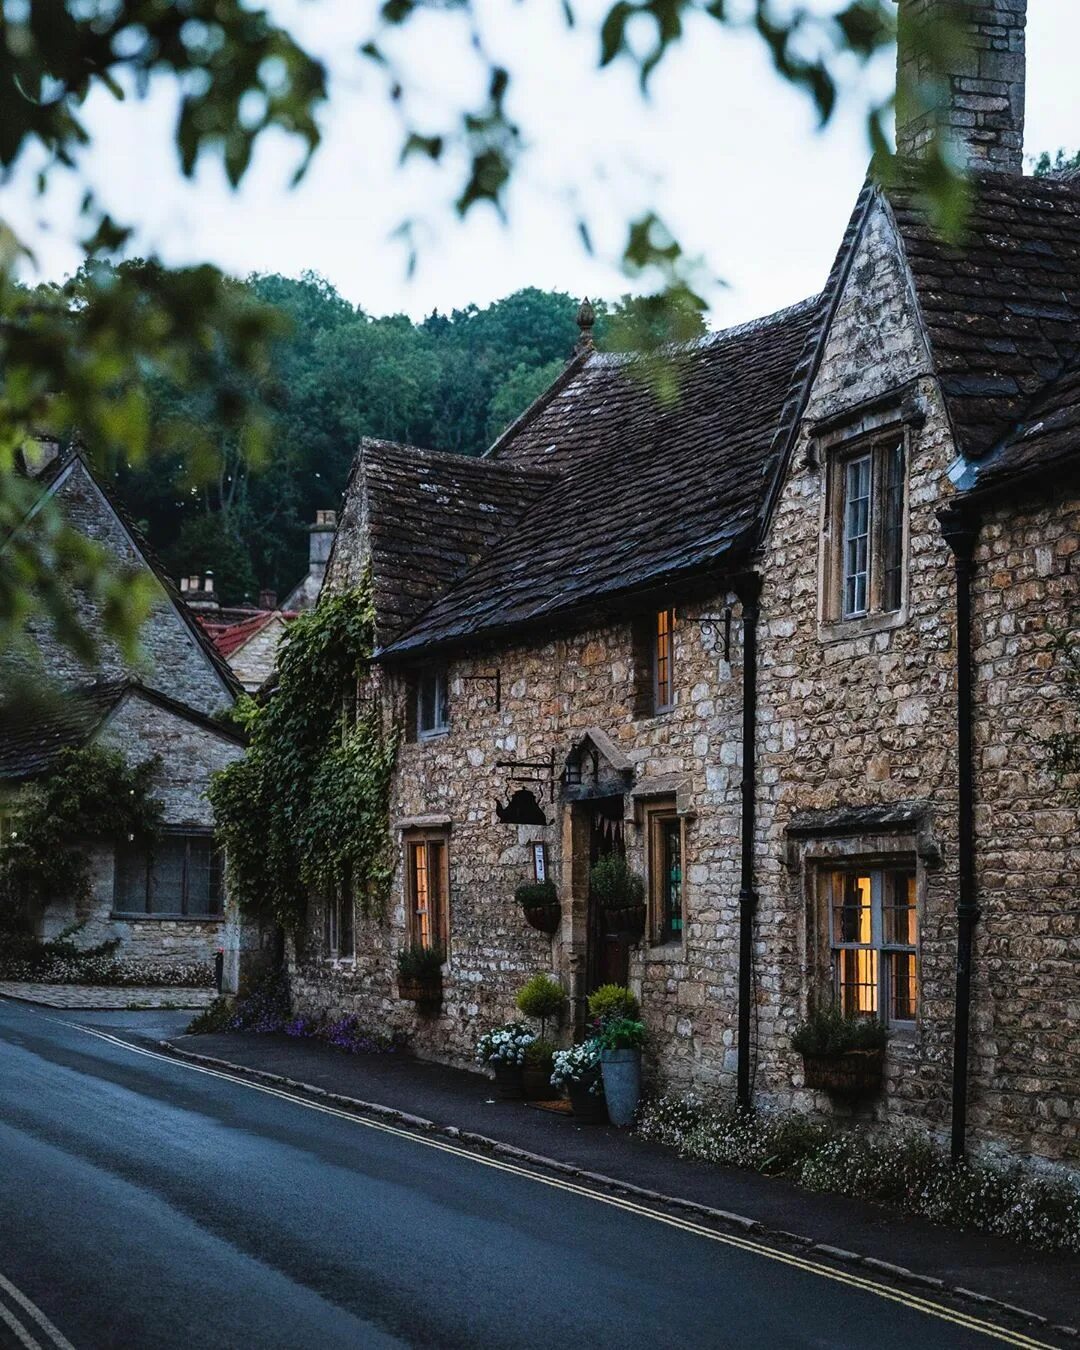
(608, 953)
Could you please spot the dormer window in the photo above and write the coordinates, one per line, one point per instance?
(865, 577)
(432, 713)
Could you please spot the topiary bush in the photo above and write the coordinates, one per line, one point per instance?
(614, 885)
(542, 998)
(613, 1001)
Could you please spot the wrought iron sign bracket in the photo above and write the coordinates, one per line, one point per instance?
(714, 621)
(495, 678)
(531, 771)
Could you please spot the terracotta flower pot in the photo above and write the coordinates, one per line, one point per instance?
(544, 917)
(855, 1073)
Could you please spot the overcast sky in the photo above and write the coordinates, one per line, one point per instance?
(722, 150)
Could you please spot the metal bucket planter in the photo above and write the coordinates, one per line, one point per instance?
(855, 1073)
(626, 920)
(508, 1085)
(622, 1084)
(545, 917)
(426, 994)
(589, 1107)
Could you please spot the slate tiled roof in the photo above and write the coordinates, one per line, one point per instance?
(431, 516)
(1046, 442)
(648, 491)
(1003, 310)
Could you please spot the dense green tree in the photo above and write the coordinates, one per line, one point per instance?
(1048, 164)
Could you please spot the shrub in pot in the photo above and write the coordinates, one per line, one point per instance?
(611, 1001)
(502, 1049)
(577, 1073)
(620, 893)
(536, 1071)
(539, 901)
(621, 1039)
(842, 1053)
(542, 998)
(420, 975)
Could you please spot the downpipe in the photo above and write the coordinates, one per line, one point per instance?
(748, 590)
(961, 533)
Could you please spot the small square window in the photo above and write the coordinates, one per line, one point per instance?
(432, 713)
(866, 522)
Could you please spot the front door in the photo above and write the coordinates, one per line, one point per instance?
(608, 960)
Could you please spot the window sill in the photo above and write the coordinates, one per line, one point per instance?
(845, 630)
(664, 951)
(423, 737)
(166, 918)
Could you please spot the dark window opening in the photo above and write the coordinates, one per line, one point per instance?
(178, 875)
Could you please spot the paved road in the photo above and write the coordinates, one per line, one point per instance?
(144, 1203)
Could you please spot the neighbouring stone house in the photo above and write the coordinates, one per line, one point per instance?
(169, 903)
(786, 640)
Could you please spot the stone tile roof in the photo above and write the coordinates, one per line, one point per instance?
(430, 516)
(648, 490)
(31, 738)
(1003, 309)
(1046, 442)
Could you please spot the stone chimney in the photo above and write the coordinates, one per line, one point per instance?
(978, 99)
(320, 538)
(267, 599)
(198, 592)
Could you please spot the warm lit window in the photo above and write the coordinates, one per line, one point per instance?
(177, 875)
(666, 845)
(874, 949)
(868, 522)
(339, 936)
(427, 889)
(664, 661)
(432, 716)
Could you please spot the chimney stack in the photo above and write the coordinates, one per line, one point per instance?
(979, 104)
(198, 592)
(267, 599)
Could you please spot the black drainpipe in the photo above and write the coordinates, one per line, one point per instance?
(748, 589)
(961, 533)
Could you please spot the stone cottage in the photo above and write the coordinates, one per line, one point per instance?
(169, 904)
(785, 640)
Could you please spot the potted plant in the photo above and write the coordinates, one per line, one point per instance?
(536, 1071)
(577, 1073)
(620, 1034)
(420, 975)
(542, 998)
(620, 893)
(502, 1049)
(842, 1053)
(539, 901)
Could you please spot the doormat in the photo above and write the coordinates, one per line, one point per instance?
(558, 1108)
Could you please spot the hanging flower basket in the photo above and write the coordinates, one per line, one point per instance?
(544, 917)
(539, 901)
(425, 992)
(855, 1073)
(626, 920)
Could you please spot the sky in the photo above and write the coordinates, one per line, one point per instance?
(726, 154)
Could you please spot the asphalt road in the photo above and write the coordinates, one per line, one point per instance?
(145, 1203)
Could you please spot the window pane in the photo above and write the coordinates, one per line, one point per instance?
(203, 877)
(346, 925)
(129, 896)
(432, 701)
(669, 865)
(858, 980)
(892, 533)
(857, 479)
(665, 622)
(421, 894)
(852, 908)
(437, 887)
(899, 911)
(903, 986)
(167, 864)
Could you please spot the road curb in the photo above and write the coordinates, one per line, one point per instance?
(722, 1216)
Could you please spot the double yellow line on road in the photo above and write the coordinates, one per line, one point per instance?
(853, 1281)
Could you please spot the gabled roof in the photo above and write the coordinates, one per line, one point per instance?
(649, 490)
(229, 636)
(429, 516)
(31, 739)
(1002, 310)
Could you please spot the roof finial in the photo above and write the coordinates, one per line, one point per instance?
(586, 317)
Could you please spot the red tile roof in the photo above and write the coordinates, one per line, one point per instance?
(229, 636)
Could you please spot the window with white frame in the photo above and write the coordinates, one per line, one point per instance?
(866, 575)
(432, 713)
(873, 915)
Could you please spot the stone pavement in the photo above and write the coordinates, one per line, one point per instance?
(985, 1267)
(105, 996)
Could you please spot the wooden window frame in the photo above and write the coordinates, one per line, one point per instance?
(879, 944)
(663, 657)
(413, 840)
(657, 814)
(441, 725)
(886, 533)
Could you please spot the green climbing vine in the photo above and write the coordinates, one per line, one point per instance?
(307, 809)
(90, 796)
